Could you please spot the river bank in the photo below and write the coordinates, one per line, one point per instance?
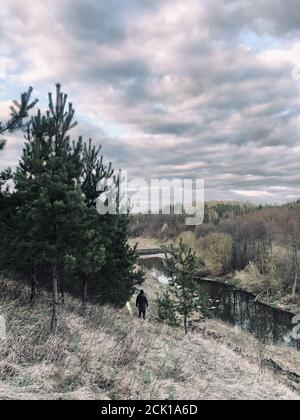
(280, 300)
(236, 306)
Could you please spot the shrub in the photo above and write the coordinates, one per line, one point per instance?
(166, 310)
(217, 252)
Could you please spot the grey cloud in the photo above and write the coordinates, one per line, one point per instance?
(178, 81)
(275, 17)
(101, 22)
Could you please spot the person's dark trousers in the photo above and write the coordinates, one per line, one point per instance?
(142, 312)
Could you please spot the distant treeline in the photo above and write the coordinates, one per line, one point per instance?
(259, 244)
(170, 225)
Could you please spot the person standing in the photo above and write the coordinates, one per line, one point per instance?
(142, 304)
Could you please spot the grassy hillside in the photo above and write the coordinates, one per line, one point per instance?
(109, 354)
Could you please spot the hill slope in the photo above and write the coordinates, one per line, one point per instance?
(109, 355)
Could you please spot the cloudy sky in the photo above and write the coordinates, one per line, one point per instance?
(171, 88)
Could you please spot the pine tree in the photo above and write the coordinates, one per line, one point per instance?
(48, 185)
(167, 309)
(120, 274)
(89, 259)
(94, 172)
(115, 282)
(181, 268)
(19, 111)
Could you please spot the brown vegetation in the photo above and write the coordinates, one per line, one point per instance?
(107, 355)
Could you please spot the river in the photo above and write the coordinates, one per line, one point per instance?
(236, 306)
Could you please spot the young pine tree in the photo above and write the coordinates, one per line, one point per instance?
(181, 268)
(167, 309)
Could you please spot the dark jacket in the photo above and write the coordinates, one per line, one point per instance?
(141, 302)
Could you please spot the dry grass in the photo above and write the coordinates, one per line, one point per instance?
(109, 355)
(247, 345)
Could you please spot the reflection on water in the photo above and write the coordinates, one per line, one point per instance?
(155, 265)
(241, 308)
(237, 307)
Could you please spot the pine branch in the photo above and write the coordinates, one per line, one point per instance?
(19, 111)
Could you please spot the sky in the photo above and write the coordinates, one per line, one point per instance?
(170, 88)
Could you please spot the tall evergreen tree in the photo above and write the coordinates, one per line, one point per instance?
(48, 185)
